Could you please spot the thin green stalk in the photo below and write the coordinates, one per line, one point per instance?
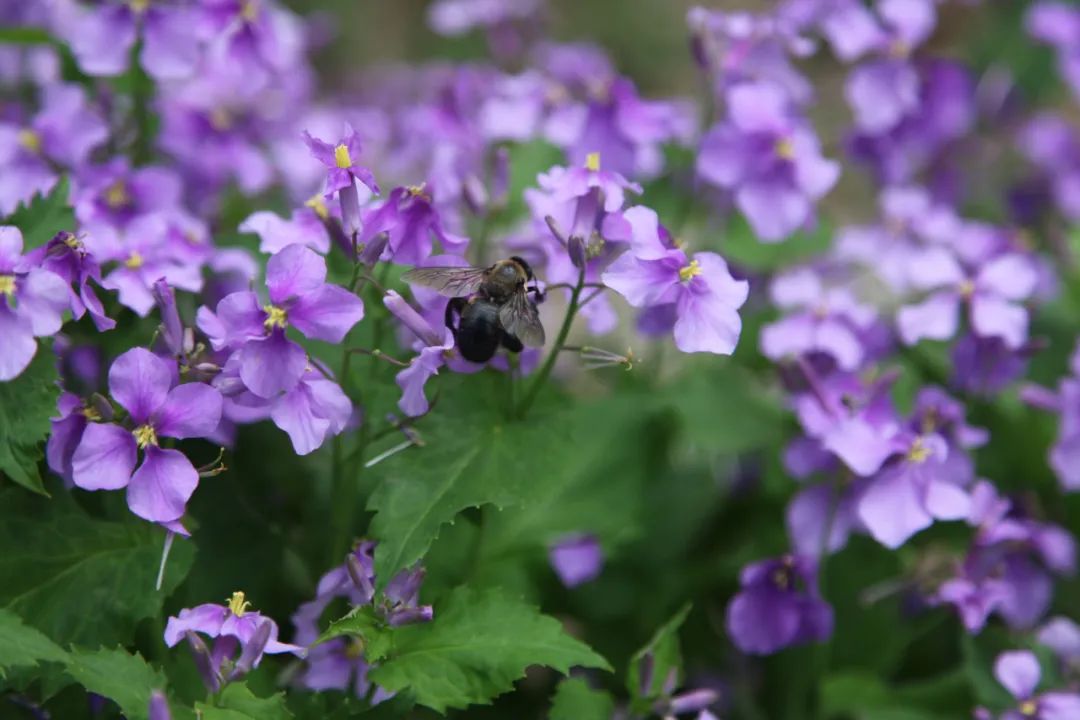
(560, 341)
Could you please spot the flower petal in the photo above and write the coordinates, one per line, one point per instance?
(140, 380)
(272, 365)
(206, 619)
(1018, 671)
(161, 487)
(328, 313)
(294, 272)
(191, 410)
(105, 457)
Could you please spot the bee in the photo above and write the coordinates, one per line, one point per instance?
(492, 306)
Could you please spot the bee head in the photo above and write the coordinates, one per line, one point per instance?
(525, 267)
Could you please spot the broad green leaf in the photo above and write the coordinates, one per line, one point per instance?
(575, 700)
(741, 247)
(368, 628)
(472, 458)
(125, 679)
(26, 404)
(44, 216)
(54, 557)
(22, 646)
(238, 703)
(21, 35)
(645, 683)
(479, 643)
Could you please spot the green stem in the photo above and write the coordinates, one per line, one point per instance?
(560, 341)
(142, 91)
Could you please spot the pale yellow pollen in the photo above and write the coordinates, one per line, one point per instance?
(899, 49)
(220, 119)
(138, 6)
(419, 191)
(249, 11)
(780, 579)
(72, 241)
(275, 317)
(145, 435)
(341, 157)
(785, 149)
(690, 271)
(1029, 708)
(918, 452)
(316, 203)
(966, 289)
(91, 414)
(30, 140)
(116, 195)
(592, 162)
(134, 261)
(237, 604)
(7, 285)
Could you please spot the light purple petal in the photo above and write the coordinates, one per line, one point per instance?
(192, 410)
(1059, 706)
(161, 487)
(294, 272)
(18, 347)
(294, 413)
(1013, 277)
(206, 619)
(947, 501)
(642, 282)
(105, 458)
(809, 512)
(773, 208)
(706, 323)
(170, 50)
(758, 107)
(140, 380)
(725, 157)
(272, 365)
(240, 317)
(860, 445)
(102, 38)
(935, 318)
(1018, 671)
(994, 317)
(760, 623)
(892, 510)
(327, 313)
(43, 298)
(576, 560)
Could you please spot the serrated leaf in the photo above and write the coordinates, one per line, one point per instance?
(124, 678)
(24, 646)
(44, 216)
(237, 702)
(26, 404)
(54, 557)
(647, 684)
(472, 459)
(575, 700)
(479, 643)
(362, 623)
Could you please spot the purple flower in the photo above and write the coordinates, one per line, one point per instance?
(315, 409)
(403, 229)
(32, 303)
(258, 37)
(145, 385)
(270, 363)
(305, 227)
(343, 172)
(1058, 25)
(1019, 672)
(1051, 144)
(705, 295)
(769, 158)
(827, 321)
(67, 256)
(778, 606)
(114, 194)
(232, 626)
(992, 293)
(159, 707)
(1062, 636)
(435, 346)
(576, 559)
(101, 36)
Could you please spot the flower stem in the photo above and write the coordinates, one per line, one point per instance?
(560, 341)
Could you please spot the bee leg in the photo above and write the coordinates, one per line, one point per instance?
(456, 305)
(511, 343)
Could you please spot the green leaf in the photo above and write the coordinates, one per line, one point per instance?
(368, 628)
(479, 643)
(26, 404)
(53, 555)
(238, 703)
(666, 659)
(20, 35)
(123, 678)
(575, 700)
(741, 247)
(24, 646)
(474, 457)
(44, 216)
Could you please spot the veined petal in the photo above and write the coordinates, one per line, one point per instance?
(105, 457)
(160, 488)
(1018, 671)
(327, 313)
(294, 272)
(272, 365)
(140, 380)
(191, 410)
(206, 619)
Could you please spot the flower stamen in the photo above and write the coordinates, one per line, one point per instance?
(116, 196)
(342, 158)
(30, 140)
(785, 149)
(145, 435)
(690, 271)
(592, 162)
(238, 606)
(276, 317)
(134, 261)
(7, 285)
(918, 452)
(316, 203)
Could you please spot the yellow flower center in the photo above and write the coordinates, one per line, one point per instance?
(342, 158)
(419, 191)
(134, 261)
(138, 6)
(690, 271)
(249, 11)
(317, 204)
(275, 317)
(116, 196)
(1029, 708)
(899, 49)
(220, 119)
(145, 435)
(30, 140)
(918, 452)
(780, 579)
(72, 241)
(966, 289)
(7, 285)
(592, 161)
(238, 605)
(785, 149)
(92, 414)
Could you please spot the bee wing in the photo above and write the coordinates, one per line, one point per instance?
(520, 318)
(448, 281)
